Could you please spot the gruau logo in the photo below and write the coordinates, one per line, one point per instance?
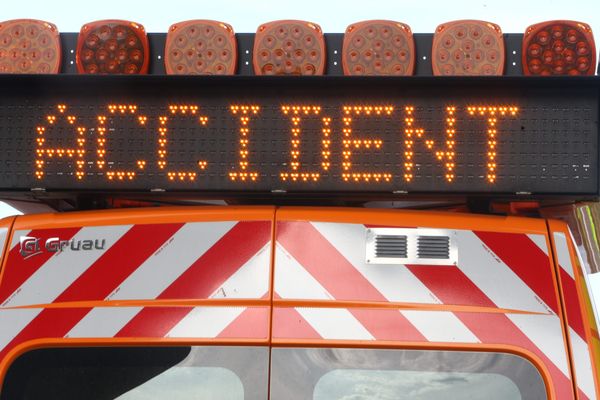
(32, 246)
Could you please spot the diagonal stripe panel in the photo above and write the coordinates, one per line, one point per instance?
(97, 282)
(21, 269)
(526, 260)
(334, 272)
(395, 281)
(219, 272)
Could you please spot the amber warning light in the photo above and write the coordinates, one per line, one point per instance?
(317, 135)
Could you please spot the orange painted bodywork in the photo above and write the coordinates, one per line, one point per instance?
(398, 218)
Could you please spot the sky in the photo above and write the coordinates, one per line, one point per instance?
(513, 16)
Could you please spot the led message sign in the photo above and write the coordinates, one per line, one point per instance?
(299, 135)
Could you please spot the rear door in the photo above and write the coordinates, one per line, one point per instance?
(347, 278)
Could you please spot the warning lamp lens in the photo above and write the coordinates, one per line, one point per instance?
(378, 48)
(112, 47)
(200, 47)
(559, 48)
(29, 46)
(468, 47)
(289, 47)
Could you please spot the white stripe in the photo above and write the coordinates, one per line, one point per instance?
(52, 278)
(583, 365)
(170, 261)
(292, 281)
(103, 322)
(251, 281)
(440, 326)
(494, 278)
(3, 236)
(540, 241)
(562, 252)
(13, 321)
(205, 322)
(394, 281)
(17, 237)
(545, 331)
(335, 323)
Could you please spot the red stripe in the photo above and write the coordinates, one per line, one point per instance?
(492, 328)
(526, 260)
(289, 324)
(99, 280)
(336, 274)
(572, 304)
(207, 274)
(253, 322)
(455, 288)
(21, 269)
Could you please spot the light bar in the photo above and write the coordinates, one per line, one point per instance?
(468, 47)
(200, 47)
(29, 46)
(112, 47)
(289, 47)
(559, 48)
(378, 47)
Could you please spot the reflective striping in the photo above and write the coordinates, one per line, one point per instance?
(546, 332)
(562, 253)
(16, 237)
(289, 324)
(583, 365)
(170, 261)
(250, 281)
(220, 261)
(205, 322)
(440, 326)
(103, 322)
(529, 263)
(3, 236)
(539, 241)
(21, 269)
(13, 321)
(492, 276)
(349, 239)
(99, 280)
(335, 323)
(340, 278)
(204, 278)
(292, 281)
(55, 275)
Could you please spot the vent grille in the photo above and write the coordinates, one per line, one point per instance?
(391, 246)
(411, 246)
(435, 247)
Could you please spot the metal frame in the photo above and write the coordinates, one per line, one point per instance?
(333, 44)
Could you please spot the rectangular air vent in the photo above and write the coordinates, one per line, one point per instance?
(393, 246)
(416, 246)
(437, 247)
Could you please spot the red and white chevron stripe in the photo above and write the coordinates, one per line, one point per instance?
(46, 295)
(506, 275)
(190, 280)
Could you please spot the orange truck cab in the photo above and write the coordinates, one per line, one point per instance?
(368, 237)
(295, 302)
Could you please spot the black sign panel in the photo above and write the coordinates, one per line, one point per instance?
(304, 135)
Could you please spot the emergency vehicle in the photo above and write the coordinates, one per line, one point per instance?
(290, 237)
